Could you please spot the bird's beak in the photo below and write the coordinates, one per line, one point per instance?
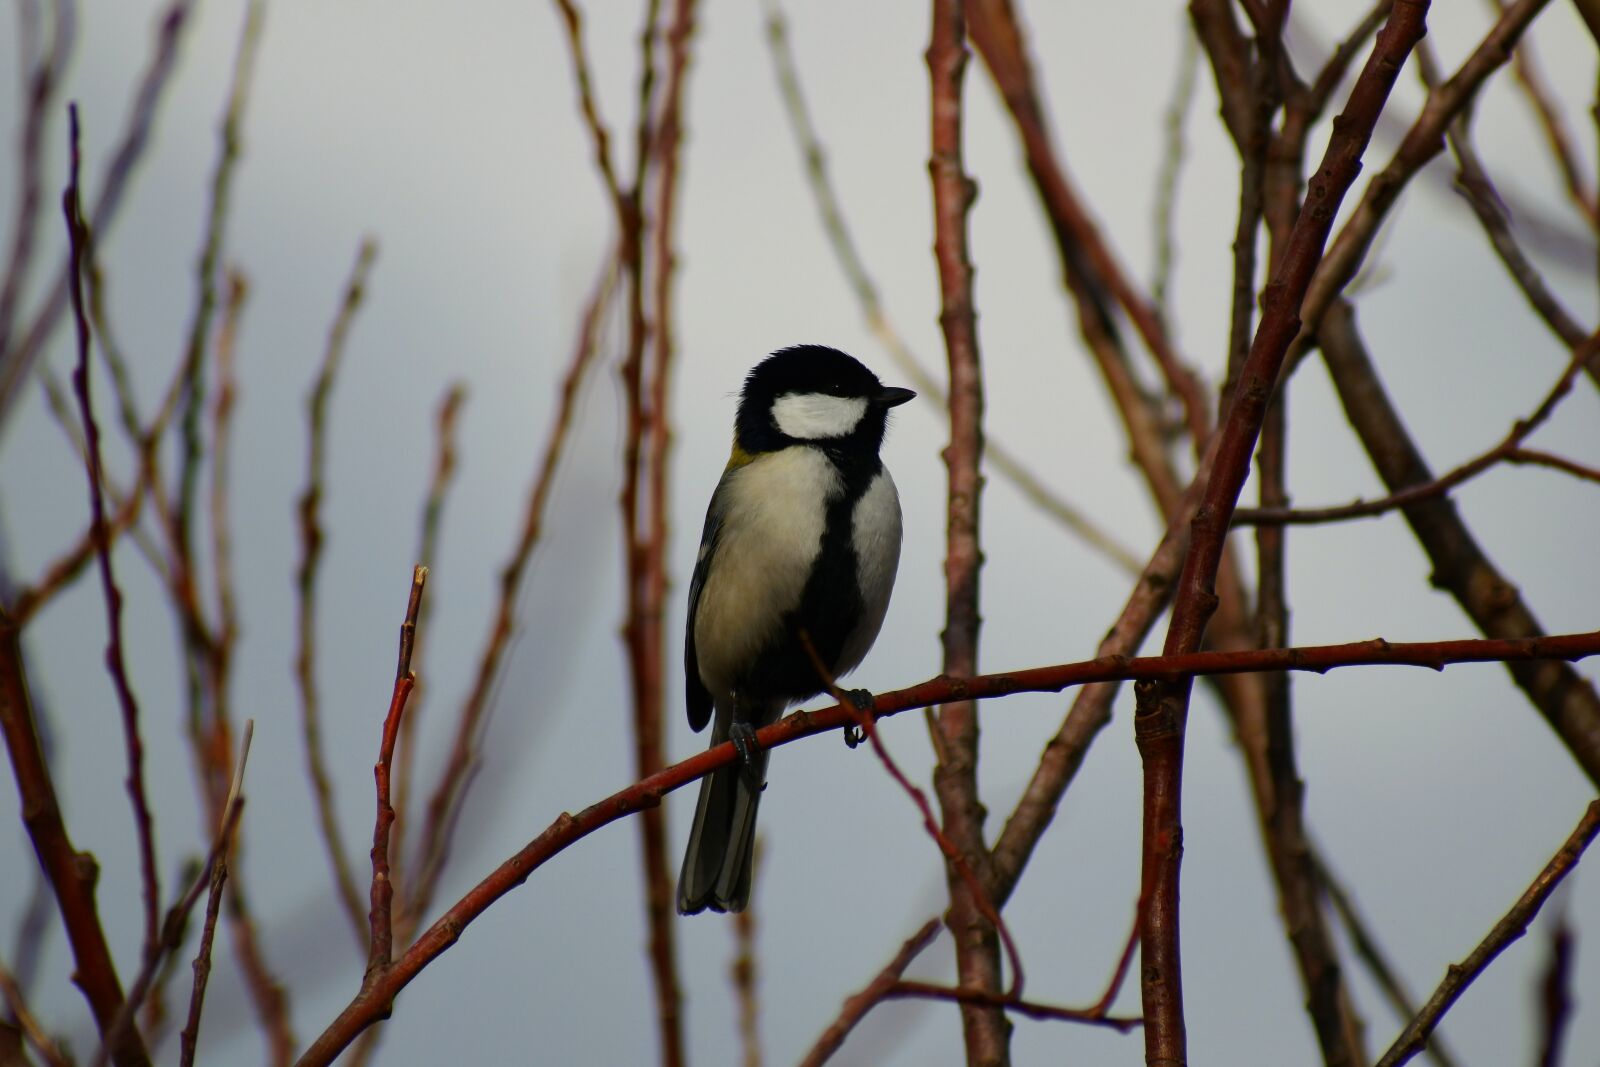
(892, 396)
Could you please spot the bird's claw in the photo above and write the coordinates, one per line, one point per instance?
(743, 736)
(865, 706)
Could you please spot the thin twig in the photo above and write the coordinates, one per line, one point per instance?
(1529, 76)
(218, 864)
(116, 659)
(856, 1006)
(175, 923)
(868, 728)
(1510, 445)
(1511, 927)
(311, 542)
(444, 467)
(380, 920)
(1173, 121)
(904, 990)
(17, 1005)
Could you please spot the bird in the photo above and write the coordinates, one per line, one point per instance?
(801, 544)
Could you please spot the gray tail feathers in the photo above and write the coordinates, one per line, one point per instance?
(717, 864)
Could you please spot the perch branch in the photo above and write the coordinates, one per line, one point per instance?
(372, 1004)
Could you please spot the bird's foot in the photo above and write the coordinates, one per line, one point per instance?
(865, 708)
(743, 736)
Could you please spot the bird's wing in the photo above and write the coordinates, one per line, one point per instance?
(696, 697)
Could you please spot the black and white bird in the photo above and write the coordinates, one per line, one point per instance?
(802, 537)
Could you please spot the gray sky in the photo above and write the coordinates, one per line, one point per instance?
(456, 143)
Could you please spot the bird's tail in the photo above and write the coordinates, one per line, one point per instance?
(717, 864)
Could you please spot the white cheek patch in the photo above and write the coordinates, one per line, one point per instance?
(815, 416)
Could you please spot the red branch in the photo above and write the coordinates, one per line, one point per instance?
(380, 920)
(1160, 719)
(954, 729)
(866, 722)
(372, 1004)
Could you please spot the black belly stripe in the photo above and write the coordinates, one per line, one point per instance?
(831, 604)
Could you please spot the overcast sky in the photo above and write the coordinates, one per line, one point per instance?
(455, 142)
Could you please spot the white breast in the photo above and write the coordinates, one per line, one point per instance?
(875, 534)
(772, 524)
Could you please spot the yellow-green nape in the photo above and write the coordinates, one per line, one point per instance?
(739, 457)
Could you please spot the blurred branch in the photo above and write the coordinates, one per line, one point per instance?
(445, 802)
(192, 396)
(904, 990)
(311, 542)
(1511, 927)
(1424, 140)
(1529, 76)
(1534, 458)
(745, 975)
(996, 454)
(999, 39)
(72, 874)
(17, 359)
(373, 1004)
(856, 1006)
(1472, 180)
(1555, 992)
(1172, 159)
(174, 925)
(647, 376)
(1460, 567)
(1366, 946)
(213, 874)
(116, 661)
(1091, 708)
(17, 1006)
(41, 80)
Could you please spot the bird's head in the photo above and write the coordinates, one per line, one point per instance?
(815, 395)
